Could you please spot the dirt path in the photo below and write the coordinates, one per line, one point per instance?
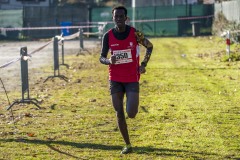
(11, 50)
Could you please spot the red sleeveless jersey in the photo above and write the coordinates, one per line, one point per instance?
(126, 68)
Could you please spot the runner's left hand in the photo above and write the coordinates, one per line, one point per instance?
(112, 59)
(142, 69)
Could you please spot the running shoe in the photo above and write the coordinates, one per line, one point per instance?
(127, 150)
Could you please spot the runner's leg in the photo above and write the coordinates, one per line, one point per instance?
(132, 104)
(117, 101)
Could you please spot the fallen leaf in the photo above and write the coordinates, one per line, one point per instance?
(30, 134)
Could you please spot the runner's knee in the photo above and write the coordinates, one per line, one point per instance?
(132, 114)
(132, 110)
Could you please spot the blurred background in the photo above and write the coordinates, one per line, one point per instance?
(156, 18)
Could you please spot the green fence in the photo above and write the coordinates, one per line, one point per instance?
(163, 20)
(153, 21)
(10, 19)
(52, 17)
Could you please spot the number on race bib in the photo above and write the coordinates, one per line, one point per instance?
(123, 56)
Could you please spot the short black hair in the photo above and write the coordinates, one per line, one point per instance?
(120, 7)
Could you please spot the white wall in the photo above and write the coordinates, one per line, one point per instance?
(230, 9)
(141, 3)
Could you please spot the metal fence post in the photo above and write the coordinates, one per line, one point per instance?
(24, 80)
(56, 61)
(63, 63)
(81, 38)
(55, 55)
(228, 42)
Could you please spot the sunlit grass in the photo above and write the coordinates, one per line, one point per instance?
(189, 109)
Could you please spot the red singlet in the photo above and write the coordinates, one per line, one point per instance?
(126, 69)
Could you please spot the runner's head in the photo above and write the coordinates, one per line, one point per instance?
(120, 8)
(119, 15)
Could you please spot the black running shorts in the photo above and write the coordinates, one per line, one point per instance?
(115, 87)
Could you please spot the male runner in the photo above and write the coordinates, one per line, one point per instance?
(124, 70)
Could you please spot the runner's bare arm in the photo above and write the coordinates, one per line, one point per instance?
(147, 44)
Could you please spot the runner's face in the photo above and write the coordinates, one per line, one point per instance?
(119, 17)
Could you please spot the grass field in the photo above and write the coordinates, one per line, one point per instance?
(189, 108)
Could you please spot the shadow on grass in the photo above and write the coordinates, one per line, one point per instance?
(137, 150)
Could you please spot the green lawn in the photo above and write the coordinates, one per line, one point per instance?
(189, 108)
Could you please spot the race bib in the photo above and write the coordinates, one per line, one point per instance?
(123, 56)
